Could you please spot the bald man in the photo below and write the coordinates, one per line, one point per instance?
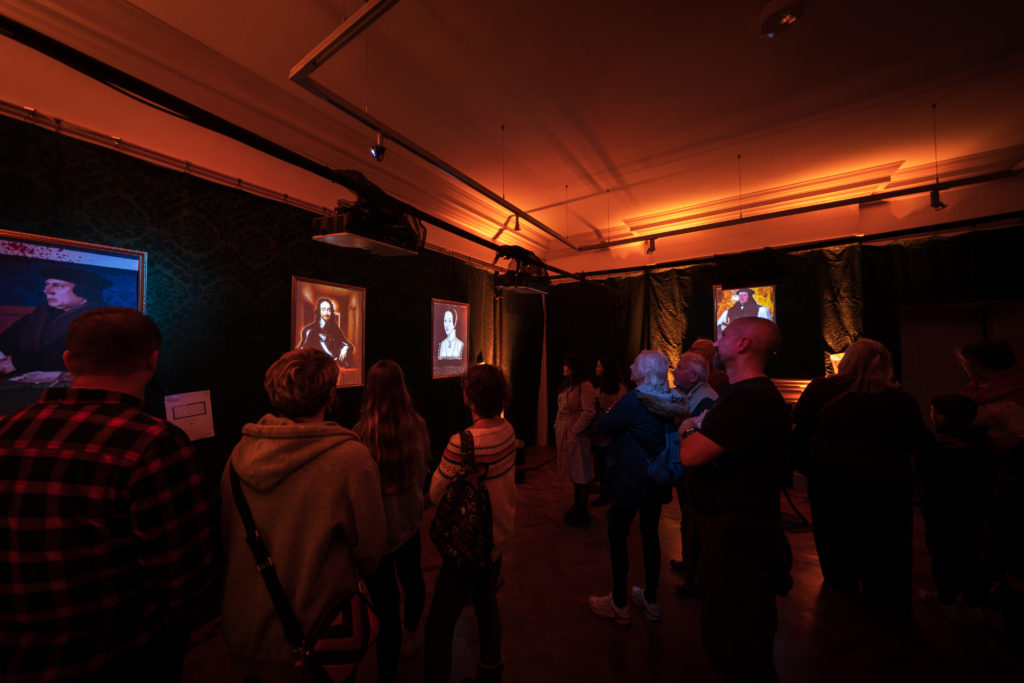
(736, 454)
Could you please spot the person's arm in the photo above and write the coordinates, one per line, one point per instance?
(451, 462)
(588, 408)
(172, 517)
(695, 448)
(365, 527)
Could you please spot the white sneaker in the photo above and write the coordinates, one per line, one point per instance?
(652, 610)
(604, 607)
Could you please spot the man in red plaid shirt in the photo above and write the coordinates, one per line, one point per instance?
(107, 545)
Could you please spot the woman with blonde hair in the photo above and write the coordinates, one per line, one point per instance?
(856, 432)
(397, 438)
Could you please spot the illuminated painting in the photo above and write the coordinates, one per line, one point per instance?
(45, 283)
(331, 317)
(449, 349)
(742, 302)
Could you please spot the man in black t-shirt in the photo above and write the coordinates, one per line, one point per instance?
(736, 455)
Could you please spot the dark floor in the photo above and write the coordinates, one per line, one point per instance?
(550, 636)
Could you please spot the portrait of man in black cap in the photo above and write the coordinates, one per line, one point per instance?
(36, 341)
(744, 306)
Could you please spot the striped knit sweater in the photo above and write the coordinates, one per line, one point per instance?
(495, 448)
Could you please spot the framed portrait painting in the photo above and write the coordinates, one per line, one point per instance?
(742, 302)
(45, 283)
(449, 348)
(332, 318)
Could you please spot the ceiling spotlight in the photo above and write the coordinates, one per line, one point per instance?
(937, 203)
(650, 246)
(377, 151)
(778, 16)
(517, 223)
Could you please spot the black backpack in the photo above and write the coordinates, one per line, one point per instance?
(462, 529)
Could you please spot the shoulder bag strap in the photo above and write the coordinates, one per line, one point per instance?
(468, 448)
(254, 538)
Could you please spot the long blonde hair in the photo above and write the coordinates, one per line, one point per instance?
(391, 428)
(870, 365)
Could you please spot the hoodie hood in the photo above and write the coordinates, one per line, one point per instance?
(669, 406)
(274, 447)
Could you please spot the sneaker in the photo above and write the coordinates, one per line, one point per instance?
(604, 607)
(652, 610)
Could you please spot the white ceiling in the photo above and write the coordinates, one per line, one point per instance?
(634, 112)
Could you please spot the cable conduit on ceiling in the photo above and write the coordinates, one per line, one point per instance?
(359, 21)
(171, 104)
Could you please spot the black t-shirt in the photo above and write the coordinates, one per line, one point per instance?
(750, 421)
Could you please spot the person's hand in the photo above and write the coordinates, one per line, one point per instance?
(692, 422)
(6, 366)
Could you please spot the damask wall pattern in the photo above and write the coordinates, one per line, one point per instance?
(220, 263)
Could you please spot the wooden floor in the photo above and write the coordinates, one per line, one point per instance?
(551, 637)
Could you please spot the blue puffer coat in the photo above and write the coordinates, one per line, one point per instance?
(637, 424)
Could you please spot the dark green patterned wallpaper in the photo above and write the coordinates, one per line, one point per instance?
(220, 267)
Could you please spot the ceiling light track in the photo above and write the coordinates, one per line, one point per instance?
(172, 105)
(866, 199)
(994, 222)
(302, 75)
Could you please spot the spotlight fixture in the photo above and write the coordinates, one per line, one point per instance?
(937, 203)
(778, 16)
(377, 151)
(650, 246)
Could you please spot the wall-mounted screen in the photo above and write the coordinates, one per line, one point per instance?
(331, 317)
(742, 302)
(449, 349)
(45, 283)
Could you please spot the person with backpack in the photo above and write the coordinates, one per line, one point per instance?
(474, 488)
(637, 425)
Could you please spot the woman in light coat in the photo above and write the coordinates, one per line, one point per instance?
(577, 406)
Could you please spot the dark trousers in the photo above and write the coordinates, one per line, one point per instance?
(457, 587)
(688, 532)
(601, 466)
(744, 563)
(863, 530)
(620, 519)
(404, 564)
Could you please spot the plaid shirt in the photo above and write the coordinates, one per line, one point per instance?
(107, 540)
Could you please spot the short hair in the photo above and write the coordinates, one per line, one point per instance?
(696, 361)
(652, 367)
(869, 363)
(486, 389)
(301, 383)
(322, 300)
(703, 347)
(958, 410)
(992, 354)
(112, 341)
